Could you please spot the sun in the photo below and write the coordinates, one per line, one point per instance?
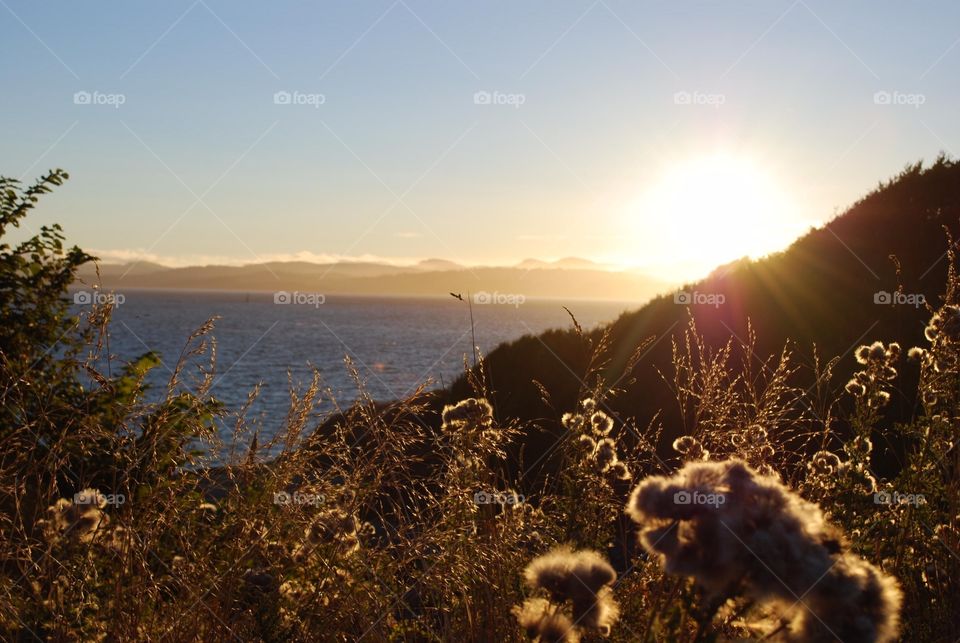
(707, 211)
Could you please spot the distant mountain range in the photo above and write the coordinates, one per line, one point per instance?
(568, 278)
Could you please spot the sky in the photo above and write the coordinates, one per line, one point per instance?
(665, 136)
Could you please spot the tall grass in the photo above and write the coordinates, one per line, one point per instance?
(128, 517)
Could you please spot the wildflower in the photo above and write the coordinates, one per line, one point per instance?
(944, 324)
(877, 351)
(824, 463)
(916, 353)
(685, 443)
(80, 518)
(619, 471)
(880, 364)
(345, 496)
(861, 445)
(769, 540)
(471, 411)
(581, 577)
(855, 601)
(690, 447)
(544, 622)
(587, 443)
(330, 525)
(565, 573)
(893, 351)
(598, 613)
(880, 398)
(862, 478)
(335, 526)
(605, 453)
(876, 354)
(855, 388)
(601, 423)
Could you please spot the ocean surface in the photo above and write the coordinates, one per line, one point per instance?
(394, 343)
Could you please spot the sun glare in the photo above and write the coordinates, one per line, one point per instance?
(712, 210)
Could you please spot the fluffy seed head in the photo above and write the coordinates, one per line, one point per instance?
(80, 519)
(916, 353)
(605, 453)
(855, 388)
(597, 612)
(471, 411)
(944, 324)
(619, 471)
(601, 423)
(766, 538)
(690, 448)
(543, 621)
(567, 574)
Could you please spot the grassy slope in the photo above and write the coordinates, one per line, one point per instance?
(820, 291)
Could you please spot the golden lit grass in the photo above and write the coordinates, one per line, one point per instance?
(373, 524)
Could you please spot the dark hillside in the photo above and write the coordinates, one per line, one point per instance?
(823, 290)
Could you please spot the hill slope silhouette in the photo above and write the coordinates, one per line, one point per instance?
(835, 288)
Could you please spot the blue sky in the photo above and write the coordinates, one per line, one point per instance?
(391, 153)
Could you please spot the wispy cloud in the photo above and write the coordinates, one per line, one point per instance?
(128, 255)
